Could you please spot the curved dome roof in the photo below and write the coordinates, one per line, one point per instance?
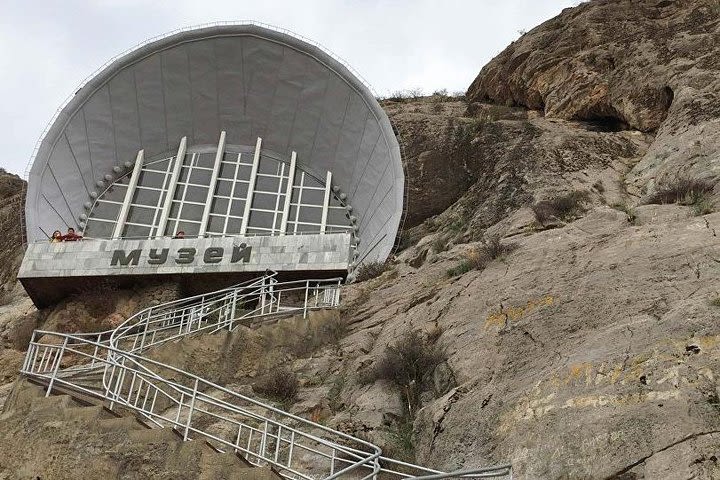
(247, 80)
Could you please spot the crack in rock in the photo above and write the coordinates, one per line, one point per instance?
(453, 398)
(618, 475)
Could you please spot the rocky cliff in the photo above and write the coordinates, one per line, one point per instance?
(646, 65)
(558, 274)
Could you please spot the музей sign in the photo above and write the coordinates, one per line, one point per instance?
(183, 256)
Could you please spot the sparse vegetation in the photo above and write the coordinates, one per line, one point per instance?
(439, 244)
(685, 191)
(409, 364)
(493, 248)
(703, 207)
(334, 394)
(280, 384)
(305, 340)
(565, 207)
(401, 445)
(403, 95)
(478, 258)
(628, 211)
(459, 269)
(456, 226)
(370, 270)
(715, 302)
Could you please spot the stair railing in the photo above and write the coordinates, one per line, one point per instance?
(169, 397)
(263, 434)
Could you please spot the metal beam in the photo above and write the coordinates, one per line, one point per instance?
(129, 193)
(288, 193)
(251, 187)
(326, 202)
(213, 183)
(179, 160)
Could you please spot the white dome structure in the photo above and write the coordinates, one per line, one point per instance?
(198, 132)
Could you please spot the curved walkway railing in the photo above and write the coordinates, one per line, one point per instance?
(110, 366)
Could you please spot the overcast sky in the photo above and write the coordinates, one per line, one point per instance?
(48, 47)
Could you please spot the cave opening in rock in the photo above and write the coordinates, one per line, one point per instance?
(605, 124)
(669, 97)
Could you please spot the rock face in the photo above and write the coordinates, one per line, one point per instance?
(11, 204)
(470, 169)
(649, 65)
(68, 440)
(591, 348)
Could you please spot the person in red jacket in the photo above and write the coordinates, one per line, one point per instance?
(71, 236)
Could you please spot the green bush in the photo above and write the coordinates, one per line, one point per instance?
(703, 207)
(459, 269)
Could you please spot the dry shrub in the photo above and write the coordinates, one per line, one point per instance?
(279, 384)
(628, 211)
(409, 364)
(302, 340)
(683, 191)
(479, 258)
(565, 207)
(370, 270)
(493, 248)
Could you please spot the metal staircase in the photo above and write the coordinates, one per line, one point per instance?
(110, 366)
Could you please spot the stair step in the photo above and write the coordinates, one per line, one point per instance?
(154, 435)
(119, 423)
(52, 402)
(86, 375)
(85, 414)
(21, 396)
(220, 466)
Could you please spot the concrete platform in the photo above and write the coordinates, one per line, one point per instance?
(47, 267)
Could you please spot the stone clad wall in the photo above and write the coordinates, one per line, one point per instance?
(329, 252)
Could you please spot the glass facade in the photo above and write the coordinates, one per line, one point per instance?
(227, 202)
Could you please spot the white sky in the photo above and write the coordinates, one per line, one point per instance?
(47, 47)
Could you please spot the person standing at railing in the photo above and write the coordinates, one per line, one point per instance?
(180, 234)
(57, 237)
(71, 236)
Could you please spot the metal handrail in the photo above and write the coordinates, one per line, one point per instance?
(166, 396)
(122, 371)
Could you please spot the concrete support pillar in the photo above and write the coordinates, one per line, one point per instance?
(122, 217)
(251, 187)
(326, 203)
(288, 193)
(179, 160)
(213, 183)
